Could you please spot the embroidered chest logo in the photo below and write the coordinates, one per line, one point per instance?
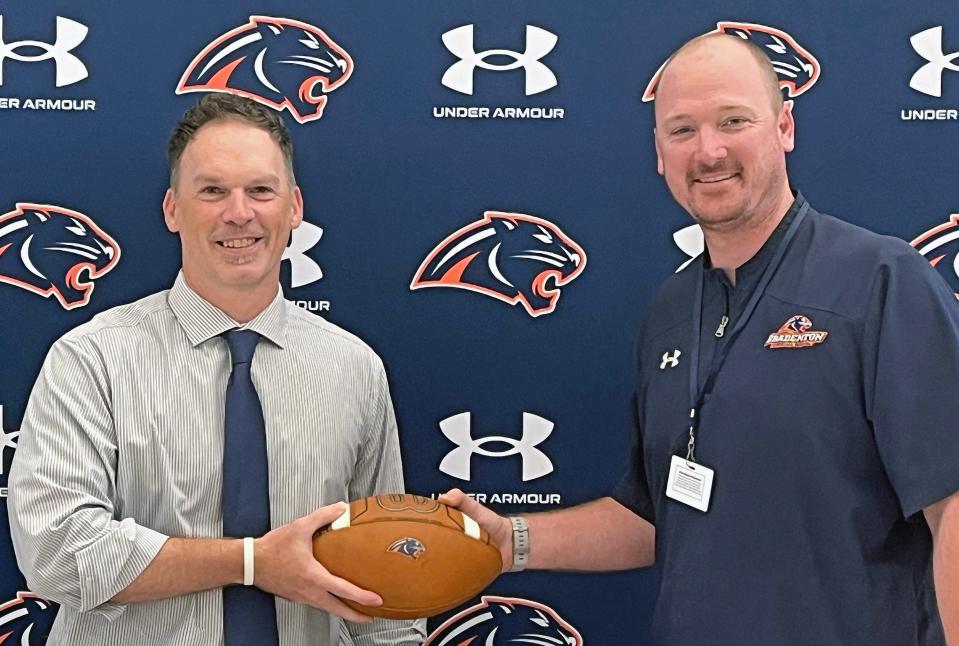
(797, 332)
(670, 360)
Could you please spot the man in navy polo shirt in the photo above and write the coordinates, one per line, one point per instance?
(796, 460)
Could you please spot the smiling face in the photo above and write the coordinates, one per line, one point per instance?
(720, 142)
(234, 206)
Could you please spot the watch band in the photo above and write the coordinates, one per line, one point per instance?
(520, 543)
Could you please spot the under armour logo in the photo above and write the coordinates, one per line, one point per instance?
(928, 78)
(539, 43)
(304, 270)
(535, 430)
(691, 242)
(70, 69)
(9, 441)
(671, 360)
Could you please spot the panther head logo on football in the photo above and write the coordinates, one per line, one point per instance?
(278, 62)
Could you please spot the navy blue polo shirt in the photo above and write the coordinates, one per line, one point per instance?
(826, 447)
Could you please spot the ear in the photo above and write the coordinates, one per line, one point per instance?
(503, 225)
(34, 216)
(787, 127)
(297, 216)
(500, 610)
(659, 157)
(268, 31)
(169, 211)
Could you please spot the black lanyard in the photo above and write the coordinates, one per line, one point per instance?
(697, 394)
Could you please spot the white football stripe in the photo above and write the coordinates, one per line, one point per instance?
(343, 521)
(471, 527)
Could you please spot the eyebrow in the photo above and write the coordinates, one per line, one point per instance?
(731, 107)
(270, 179)
(737, 107)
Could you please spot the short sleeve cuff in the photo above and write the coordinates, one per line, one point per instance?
(939, 488)
(634, 498)
(109, 565)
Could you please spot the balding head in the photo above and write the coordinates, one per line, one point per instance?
(722, 133)
(725, 46)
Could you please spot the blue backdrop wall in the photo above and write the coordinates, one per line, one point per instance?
(425, 126)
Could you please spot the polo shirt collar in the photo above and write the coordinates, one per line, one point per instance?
(755, 266)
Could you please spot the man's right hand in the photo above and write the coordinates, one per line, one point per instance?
(598, 535)
(498, 527)
(284, 566)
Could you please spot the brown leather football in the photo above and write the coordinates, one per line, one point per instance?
(419, 555)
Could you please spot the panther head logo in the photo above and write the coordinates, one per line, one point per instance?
(54, 251)
(278, 62)
(407, 546)
(26, 620)
(798, 324)
(512, 257)
(501, 621)
(940, 246)
(798, 70)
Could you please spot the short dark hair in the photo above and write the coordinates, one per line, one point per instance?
(220, 105)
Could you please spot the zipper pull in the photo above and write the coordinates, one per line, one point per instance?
(721, 330)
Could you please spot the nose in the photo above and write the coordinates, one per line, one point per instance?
(711, 146)
(237, 208)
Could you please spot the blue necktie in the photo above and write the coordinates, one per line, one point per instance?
(249, 614)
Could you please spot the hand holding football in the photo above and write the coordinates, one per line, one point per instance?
(419, 555)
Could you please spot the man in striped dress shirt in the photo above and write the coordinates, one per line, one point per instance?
(115, 492)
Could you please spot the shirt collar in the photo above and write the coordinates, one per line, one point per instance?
(201, 320)
(757, 264)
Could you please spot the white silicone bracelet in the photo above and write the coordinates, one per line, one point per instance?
(247, 561)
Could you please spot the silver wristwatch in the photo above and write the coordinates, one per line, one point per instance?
(520, 543)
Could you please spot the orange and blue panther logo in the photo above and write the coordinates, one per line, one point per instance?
(279, 62)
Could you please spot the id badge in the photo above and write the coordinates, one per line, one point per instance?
(689, 483)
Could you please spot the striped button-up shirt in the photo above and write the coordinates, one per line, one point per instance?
(121, 446)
